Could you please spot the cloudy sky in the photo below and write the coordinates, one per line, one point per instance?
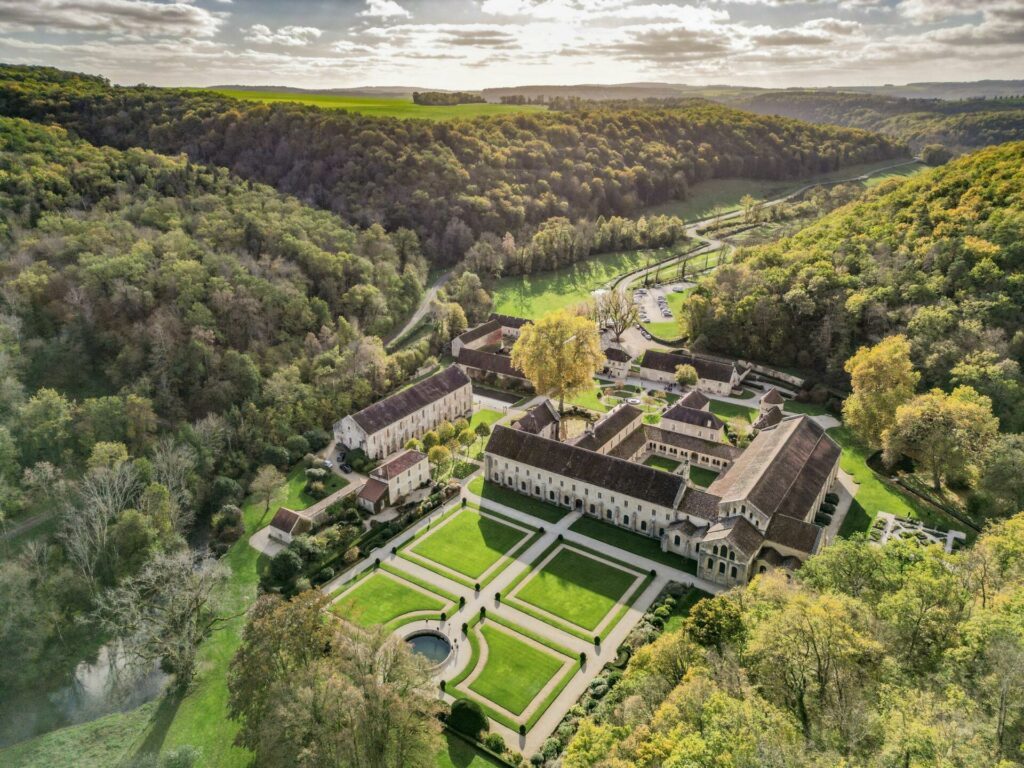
(480, 43)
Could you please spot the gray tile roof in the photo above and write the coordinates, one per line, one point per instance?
(491, 362)
(509, 321)
(793, 533)
(373, 490)
(480, 331)
(706, 369)
(608, 427)
(777, 560)
(772, 397)
(542, 415)
(290, 521)
(694, 399)
(694, 416)
(617, 354)
(687, 528)
(782, 470)
(616, 475)
(399, 464)
(700, 504)
(384, 412)
(630, 444)
(735, 531)
(769, 418)
(690, 443)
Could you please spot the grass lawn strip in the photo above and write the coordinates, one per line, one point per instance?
(577, 587)
(472, 542)
(636, 543)
(384, 597)
(660, 462)
(406, 576)
(515, 670)
(433, 567)
(490, 492)
(535, 636)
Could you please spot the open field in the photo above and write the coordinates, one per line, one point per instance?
(533, 296)
(469, 543)
(515, 671)
(376, 106)
(710, 198)
(576, 588)
(379, 598)
(896, 173)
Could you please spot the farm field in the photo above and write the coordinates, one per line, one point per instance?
(376, 106)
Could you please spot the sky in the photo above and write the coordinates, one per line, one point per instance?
(472, 44)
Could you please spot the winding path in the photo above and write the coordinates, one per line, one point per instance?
(421, 310)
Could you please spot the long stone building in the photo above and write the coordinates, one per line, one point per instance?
(756, 516)
(387, 425)
(713, 377)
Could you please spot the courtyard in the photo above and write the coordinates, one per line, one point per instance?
(530, 609)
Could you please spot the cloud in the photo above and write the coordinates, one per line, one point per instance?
(384, 9)
(601, 10)
(288, 36)
(141, 17)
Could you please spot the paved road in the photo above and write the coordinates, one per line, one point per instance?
(421, 310)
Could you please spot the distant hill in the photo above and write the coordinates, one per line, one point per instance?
(379, 91)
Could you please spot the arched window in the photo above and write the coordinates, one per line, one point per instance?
(551, 495)
(732, 555)
(734, 571)
(643, 525)
(676, 540)
(762, 569)
(625, 519)
(711, 563)
(721, 567)
(714, 550)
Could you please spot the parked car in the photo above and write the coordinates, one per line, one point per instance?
(328, 463)
(346, 468)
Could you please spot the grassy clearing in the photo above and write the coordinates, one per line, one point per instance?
(469, 543)
(576, 588)
(873, 494)
(376, 106)
(702, 477)
(660, 462)
(739, 417)
(491, 492)
(810, 409)
(904, 172)
(515, 671)
(533, 296)
(295, 495)
(591, 399)
(380, 599)
(631, 542)
(682, 608)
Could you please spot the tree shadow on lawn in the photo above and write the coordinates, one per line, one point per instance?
(158, 727)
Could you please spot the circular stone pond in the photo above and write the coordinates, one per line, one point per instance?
(433, 646)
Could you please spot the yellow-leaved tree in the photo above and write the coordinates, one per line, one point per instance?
(559, 354)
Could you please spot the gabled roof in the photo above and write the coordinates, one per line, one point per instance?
(373, 490)
(396, 466)
(694, 399)
(735, 531)
(491, 362)
(290, 521)
(480, 331)
(630, 444)
(616, 475)
(769, 418)
(538, 418)
(783, 469)
(667, 362)
(509, 321)
(608, 427)
(772, 397)
(691, 443)
(694, 416)
(617, 354)
(793, 534)
(700, 504)
(777, 560)
(687, 528)
(385, 412)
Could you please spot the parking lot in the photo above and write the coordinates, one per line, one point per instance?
(654, 302)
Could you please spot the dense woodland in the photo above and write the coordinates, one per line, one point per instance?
(883, 657)
(448, 181)
(939, 257)
(960, 125)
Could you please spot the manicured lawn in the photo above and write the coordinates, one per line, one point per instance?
(682, 608)
(669, 328)
(660, 462)
(702, 477)
(488, 490)
(733, 412)
(631, 542)
(456, 753)
(376, 106)
(873, 495)
(378, 599)
(484, 416)
(297, 498)
(591, 399)
(468, 543)
(533, 296)
(515, 672)
(811, 409)
(577, 588)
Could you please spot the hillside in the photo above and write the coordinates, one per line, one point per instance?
(448, 181)
(939, 256)
(959, 125)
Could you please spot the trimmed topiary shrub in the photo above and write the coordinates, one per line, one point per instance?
(468, 717)
(522, 729)
(483, 612)
(495, 743)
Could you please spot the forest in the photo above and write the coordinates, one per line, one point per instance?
(938, 257)
(449, 182)
(871, 656)
(960, 125)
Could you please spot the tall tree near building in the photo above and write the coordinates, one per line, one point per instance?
(559, 354)
(264, 486)
(617, 309)
(883, 379)
(944, 434)
(686, 375)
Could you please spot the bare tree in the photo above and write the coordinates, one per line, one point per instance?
(174, 465)
(102, 495)
(162, 614)
(616, 307)
(266, 484)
